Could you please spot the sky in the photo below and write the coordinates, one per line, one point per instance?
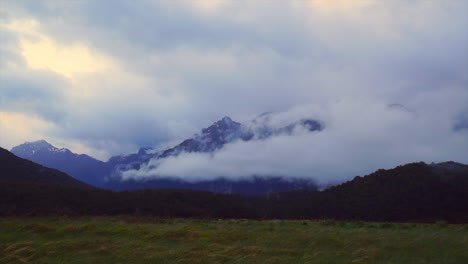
(389, 79)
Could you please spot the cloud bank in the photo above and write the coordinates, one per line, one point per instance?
(359, 137)
(107, 77)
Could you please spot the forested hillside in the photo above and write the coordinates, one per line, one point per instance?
(413, 192)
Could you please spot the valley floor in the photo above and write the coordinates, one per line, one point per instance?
(150, 240)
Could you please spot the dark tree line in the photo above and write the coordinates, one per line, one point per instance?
(413, 192)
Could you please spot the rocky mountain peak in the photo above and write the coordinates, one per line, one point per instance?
(226, 124)
(30, 148)
(41, 144)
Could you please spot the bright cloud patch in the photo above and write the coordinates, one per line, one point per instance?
(113, 76)
(18, 127)
(42, 52)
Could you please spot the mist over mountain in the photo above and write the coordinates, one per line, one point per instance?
(275, 151)
(227, 131)
(116, 172)
(308, 142)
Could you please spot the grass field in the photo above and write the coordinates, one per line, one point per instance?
(146, 240)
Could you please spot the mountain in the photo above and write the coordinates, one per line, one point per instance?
(410, 191)
(142, 155)
(227, 131)
(405, 193)
(80, 166)
(16, 169)
(130, 161)
(211, 139)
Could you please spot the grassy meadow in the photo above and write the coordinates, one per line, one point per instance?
(149, 240)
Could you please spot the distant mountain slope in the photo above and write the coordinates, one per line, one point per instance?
(411, 190)
(407, 192)
(81, 167)
(15, 169)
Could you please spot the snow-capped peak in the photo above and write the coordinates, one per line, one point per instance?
(35, 147)
(38, 144)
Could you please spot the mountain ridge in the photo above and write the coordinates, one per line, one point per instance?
(211, 138)
(16, 169)
(80, 166)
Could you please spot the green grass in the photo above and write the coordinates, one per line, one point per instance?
(149, 240)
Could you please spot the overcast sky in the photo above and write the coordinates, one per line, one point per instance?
(107, 77)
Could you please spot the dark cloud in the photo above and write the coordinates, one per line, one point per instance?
(180, 67)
